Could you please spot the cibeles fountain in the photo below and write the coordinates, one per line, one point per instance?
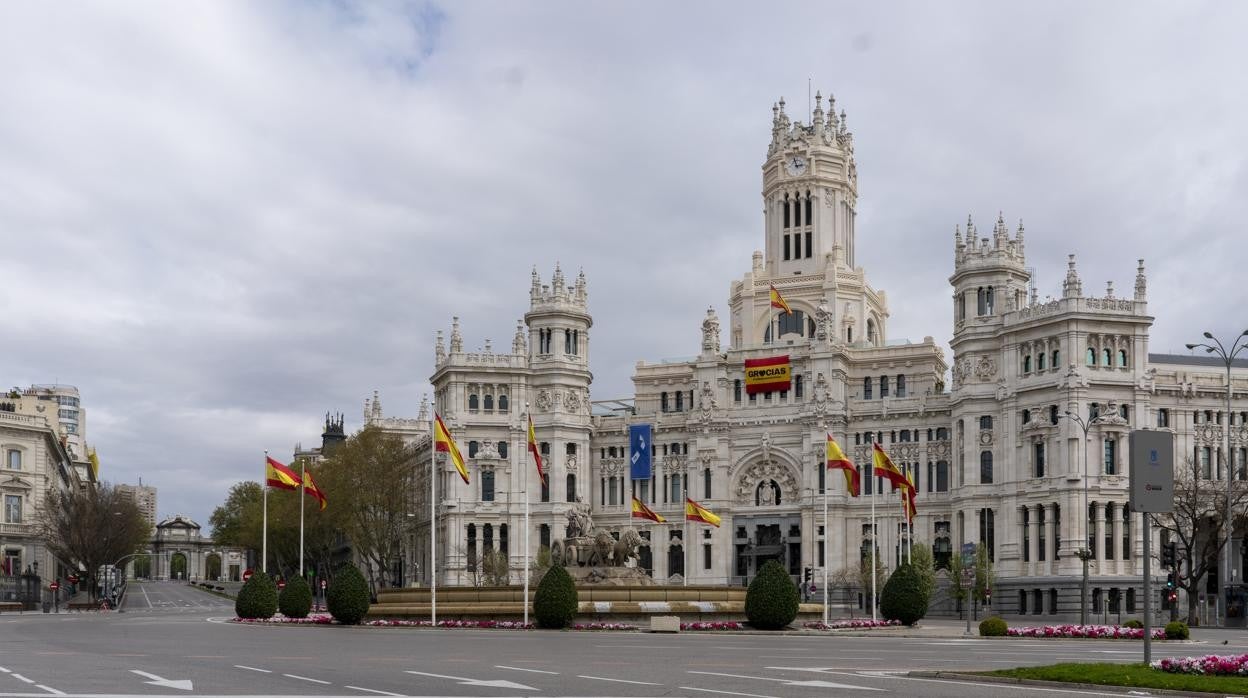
(596, 557)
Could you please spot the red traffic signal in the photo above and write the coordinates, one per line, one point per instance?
(246, 574)
(281, 584)
(54, 586)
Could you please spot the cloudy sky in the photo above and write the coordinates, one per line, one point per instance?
(221, 219)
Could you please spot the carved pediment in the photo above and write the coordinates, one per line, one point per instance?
(14, 482)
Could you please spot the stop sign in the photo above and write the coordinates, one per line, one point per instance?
(281, 584)
(54, 586)
(246, 574)
(73, 579)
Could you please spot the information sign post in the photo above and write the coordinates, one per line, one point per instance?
(1152, 492)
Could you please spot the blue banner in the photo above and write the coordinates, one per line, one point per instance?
(639, 451)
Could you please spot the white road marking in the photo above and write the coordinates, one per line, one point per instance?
(304, 678)
(373, 690)
(252, 668)
(146, 598)
(603, 678)
(727, 693)
(19, 677)
(535, 671)
(496, 683)
(51, 690)
(791, 682)
(4, 670)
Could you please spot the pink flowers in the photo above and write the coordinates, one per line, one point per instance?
(603, 626)
(1099, 632)
(856, 623)
(314, 619)
(1210, 665)
(326, 619)
(713, 625)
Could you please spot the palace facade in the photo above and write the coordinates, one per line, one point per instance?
(996, 460)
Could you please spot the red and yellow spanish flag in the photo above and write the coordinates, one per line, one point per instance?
(280, 475)
(310, 489)
(885, 468)
(537, 456)
(766, 375)
(907, 499)
(641, 511)
(837, 460)
(777, 301)
(696, 512)
(443, 442)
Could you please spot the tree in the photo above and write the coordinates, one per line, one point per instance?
(496, 568)
(905, 597)
(92, 527)
(845, 579)
(347, 596)
(864, 577)
(984, 574)
(537, 569)
(957, 581)
(925, 566)
(1195, 525)
(370, 484)
(555, 601)
(771, 601)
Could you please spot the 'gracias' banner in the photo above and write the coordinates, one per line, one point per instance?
(766, 375)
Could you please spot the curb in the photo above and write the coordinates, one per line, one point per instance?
(1125, 690)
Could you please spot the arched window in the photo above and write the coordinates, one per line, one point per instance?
(546, 489)
(786, 215)
(1027, 364)
(849, 335)
(502, 539)
(866, 388)
(1040, 361)
(871, 331)
(985, 467)
(488, 402)
(472, 547)
(985, 422)
(988, 296)
(883, 386)
(797, 387)
(571, 487)
(473, 402)
(502, 449)
(1056, 363)
(473, 446)
(942, 434)
(901, 385)
(1122, 358)
(502, 403)
(1091, 356)
(706, 483)
(981, 305)
(543, 536)
(1107, 358)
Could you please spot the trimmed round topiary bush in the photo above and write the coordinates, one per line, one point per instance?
(1133, 623)
(554, 602)
(772, 599)
(904, 598)
(257, 598)
(992, 627)
(347, 596)
(295, 601)
(1177, 630)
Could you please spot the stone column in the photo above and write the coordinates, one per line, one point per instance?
(1116, 528)
(1097, 512)
(1033, 523)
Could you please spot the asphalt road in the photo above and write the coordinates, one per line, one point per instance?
(177, 637)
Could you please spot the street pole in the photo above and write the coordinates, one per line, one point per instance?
(1224, 547)
(1085, 552)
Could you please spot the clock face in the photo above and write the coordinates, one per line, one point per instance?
(795, 165)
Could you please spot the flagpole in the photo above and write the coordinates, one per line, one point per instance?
(525, 598)
(303, 488)
(433, 520)
(827, 532)
(685, 547)
(264, 526)
(874, 536)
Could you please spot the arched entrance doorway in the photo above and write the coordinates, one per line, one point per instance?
(212, 567)
(143, 566)
(177, 566)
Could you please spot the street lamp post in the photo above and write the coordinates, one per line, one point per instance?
(1228, 358)
(1084, 553)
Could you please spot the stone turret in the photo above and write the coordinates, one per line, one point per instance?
(1141, 284)
(1072, 287)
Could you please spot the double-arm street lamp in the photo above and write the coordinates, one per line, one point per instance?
(1213, 346)
(1084, 553)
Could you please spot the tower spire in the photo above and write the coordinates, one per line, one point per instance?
(1141, 283)
(1072, 287)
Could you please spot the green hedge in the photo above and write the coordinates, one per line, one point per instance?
(555, 601)
(1177, 630)
(257, 598)
(347, 596)
(905, 596)
(772, 599)
(1133, 623)
(992, 627)
(295, 601)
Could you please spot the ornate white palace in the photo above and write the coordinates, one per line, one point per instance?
(995, 460)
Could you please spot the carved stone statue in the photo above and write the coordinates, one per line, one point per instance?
(766, 443)
(824, 327)
(710, 332)
(580, 521)
(626, 549)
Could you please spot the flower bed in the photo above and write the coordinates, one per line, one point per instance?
(1096, 632)
(603, 626)
(1209, 665)
(844, 624)
(714, 625)
(326, 619)
(279, 619)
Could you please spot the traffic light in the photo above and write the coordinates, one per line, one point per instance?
(1170, 582)
(807, 574)
(1169, 555)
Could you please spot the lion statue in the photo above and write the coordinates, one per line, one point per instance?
(600, 551)
(626, 547)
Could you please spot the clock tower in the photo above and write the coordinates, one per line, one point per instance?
(810, 192)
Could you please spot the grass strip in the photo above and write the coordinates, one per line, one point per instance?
(1134, 675)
